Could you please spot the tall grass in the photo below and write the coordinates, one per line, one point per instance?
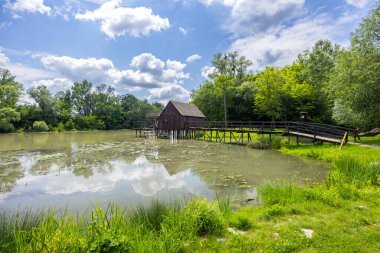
(163, 227)
(353, 171)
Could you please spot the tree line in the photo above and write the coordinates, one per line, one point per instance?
(83, 107)
(333, 84)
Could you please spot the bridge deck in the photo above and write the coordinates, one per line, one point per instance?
(318, 138)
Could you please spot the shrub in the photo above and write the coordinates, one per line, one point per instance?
(89, 122)
(40, 126)
(206, 218)
(266, 143)
(241, 222)
(70, 125)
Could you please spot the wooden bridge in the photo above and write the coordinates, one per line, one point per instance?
(240, 132)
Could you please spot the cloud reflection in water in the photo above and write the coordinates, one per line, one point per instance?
(146, 179)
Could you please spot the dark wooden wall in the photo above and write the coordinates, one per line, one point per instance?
(170, 119)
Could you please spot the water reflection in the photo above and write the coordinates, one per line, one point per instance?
(69, 169)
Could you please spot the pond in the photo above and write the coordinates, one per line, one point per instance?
(77, 170)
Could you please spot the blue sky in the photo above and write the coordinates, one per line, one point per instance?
(160, 50)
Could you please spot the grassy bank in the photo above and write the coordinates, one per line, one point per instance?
(340, 215)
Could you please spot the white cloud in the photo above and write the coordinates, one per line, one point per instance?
(3, 59)
(247, 16)
(118, 21)
(183, 30)
(54, 85)
(28, 6)
(163, 79)
(358, 3)
(280, 47)
(25, 74)
(77, 69)
(169, 92)
(207, 71)
(152, 72)
(194, 57)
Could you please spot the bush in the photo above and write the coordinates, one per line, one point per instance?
(89, 122)
(241, 222)
(70, 125)
(206, 218)
(266, 143)
(40, 126)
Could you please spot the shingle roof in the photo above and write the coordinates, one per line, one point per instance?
(187, 109)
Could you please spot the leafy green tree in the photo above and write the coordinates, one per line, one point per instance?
(64, 105)
(297, 96)
(108, 107)
(82, 99)
(10, 89)
(356, 79)
(268, 98)
(7, 117)
(230, 64)
(317, 68)
(135, 110)
(46, 102)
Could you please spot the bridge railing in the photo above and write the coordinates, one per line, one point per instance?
(331, 131)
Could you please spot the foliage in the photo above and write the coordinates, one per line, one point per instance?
(356, 77)
(7, 117)
(40, 126)
(269, 91)
(266, 143)
(10, 89)
(46, 103)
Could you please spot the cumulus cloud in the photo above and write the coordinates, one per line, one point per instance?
(54, 85)
(151, 72)
(247, 16)
(163, 79)
(207, 71)
(169, 92)
(358, 3)
(281, 47)
(194, 57)
(28, 6)
(96, 70)
(117, 20)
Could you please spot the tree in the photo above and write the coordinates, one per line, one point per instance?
(10, 89)
(297, 96)
(356, 79)
(268, 97)
(317, 67)
(7, 117)
(108, 107)
(82, 98)
(231, 65)
(46, 102)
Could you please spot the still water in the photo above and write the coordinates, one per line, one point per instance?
(77, 170)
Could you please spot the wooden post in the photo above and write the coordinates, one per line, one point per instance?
(343, 140)
(298, 141)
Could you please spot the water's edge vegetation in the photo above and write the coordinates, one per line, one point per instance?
(340, 215)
